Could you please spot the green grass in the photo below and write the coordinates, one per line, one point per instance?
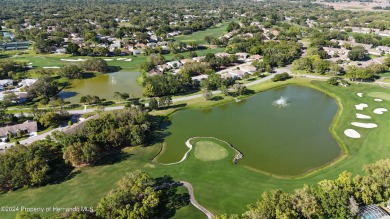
(50, 60)
(198, 36)
(221, 186)
(209, 150)
(381, 95)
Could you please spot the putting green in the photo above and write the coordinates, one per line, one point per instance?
(381, 95)
(209, 151)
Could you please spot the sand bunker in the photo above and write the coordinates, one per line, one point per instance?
(51, 67)
(108, 60)
(73, 60)
(364, 125)
(360, 94)
(127, 60)
(380, 110)
(362, 116)
(352, 133)
(361, 106)
(120, 59)
(378, 100)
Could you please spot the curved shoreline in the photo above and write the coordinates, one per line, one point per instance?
(238, 155)
(336, 161)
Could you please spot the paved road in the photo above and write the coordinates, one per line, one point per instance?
(194, 202)
(43, 136)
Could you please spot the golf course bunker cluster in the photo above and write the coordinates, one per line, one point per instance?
(355, 134)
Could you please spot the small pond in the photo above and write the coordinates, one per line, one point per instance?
(279, 140)
(103, 86)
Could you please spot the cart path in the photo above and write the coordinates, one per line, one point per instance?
(194, 202)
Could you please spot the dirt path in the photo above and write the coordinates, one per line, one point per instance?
(194, 202)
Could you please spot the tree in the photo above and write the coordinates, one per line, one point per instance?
(207, 94)
(96, 64)
(10, 99)
(44, 87)
(27, 215)
(50, 119)
(333, 81)
(122, 96)
(72, 48)
(135, 190)
(357, 53)
(165, 101)
(281, 77)
(153, 104)
(81, 153)
(70, 72)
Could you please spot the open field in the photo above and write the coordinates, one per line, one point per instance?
(221, 186)
(198, 36)
(50, 60)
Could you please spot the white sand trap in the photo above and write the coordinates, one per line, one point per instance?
(361, 106)
(30, 63)
(364, 125)
(120, 59)
(51, 67)
(360, 94)
(73, 60)
(362, 116)
(380, 110)
(108, 60)
(352, 133)
(378, 100)
(127, 60)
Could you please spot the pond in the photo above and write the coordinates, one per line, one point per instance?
(103, 86)
(284, 141)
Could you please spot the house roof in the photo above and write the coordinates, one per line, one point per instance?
(155, 72)
(30, 126)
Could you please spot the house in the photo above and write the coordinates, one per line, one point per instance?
(27, 82)
(154, 72)
(237, 73)
(162, 43)
(152, 44)
(5, 83)
(383, 49)
(174, 64)
(199, 58)
(137, 52)
(248, 69)
(26, 127)
(242, 55)
(163, 67)
(374, 52)
(184, 61)
(199, 77)
(222, 54)
(256, 57)
(227, 75)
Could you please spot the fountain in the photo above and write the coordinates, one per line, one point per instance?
(281, 102)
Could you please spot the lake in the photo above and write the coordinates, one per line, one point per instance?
(284, 141)
(103, 86)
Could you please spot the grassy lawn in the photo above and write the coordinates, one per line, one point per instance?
(209, 149)
(198, 36)
(221, 186)
(50, 60)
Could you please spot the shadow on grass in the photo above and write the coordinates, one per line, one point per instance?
(216, 98)
(115, 155)
(170, 199)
